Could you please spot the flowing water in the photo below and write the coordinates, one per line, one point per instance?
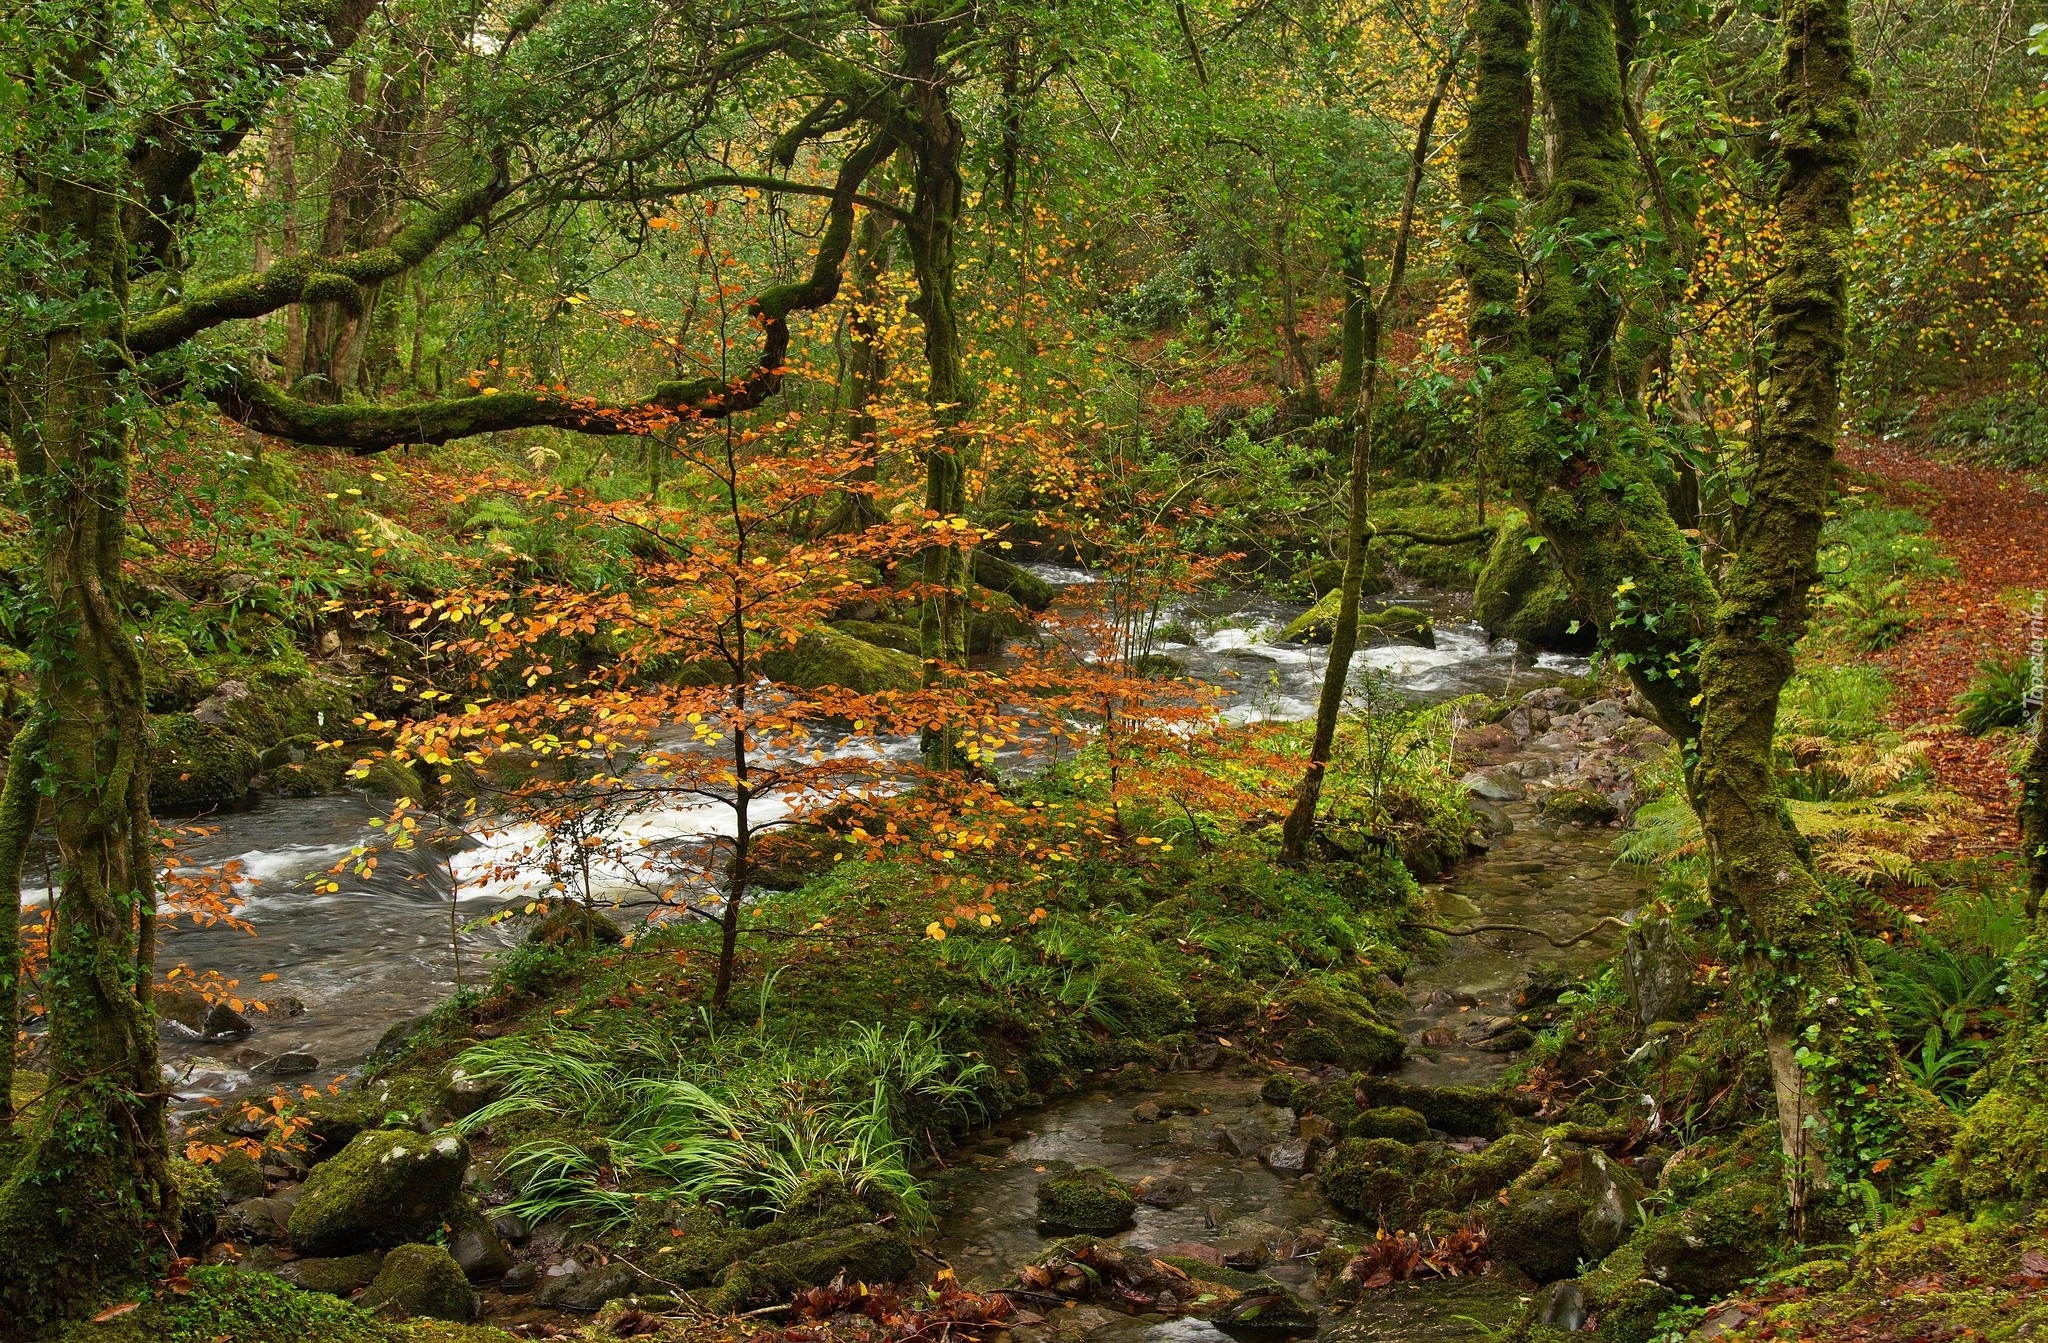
(351, 961)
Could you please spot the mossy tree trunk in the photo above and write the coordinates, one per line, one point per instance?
(930, 129)
(2034, 813)
(1371, 321)
(1710, 664)
(80, 1206)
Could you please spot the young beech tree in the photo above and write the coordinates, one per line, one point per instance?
(1709, 657)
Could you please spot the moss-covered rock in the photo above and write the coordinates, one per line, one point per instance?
(864, 1253)
(195, 764)
(386, 1188)
(394, 779)
(199, 1204)
(1326, 1020)
(1086, 1199)
(882, 634)
(1391, 1121)
(335, 1121)
(1706, 1249)
(420, 1282)
(825, 657)
(1578, 806)
(2000, 1156)
(1372, 1177)
(343, 1276)
(996, 619)
(1522, 595)
(574, 925)
(1461, 1111)
(172, 679)
(239, 1175)
(1539, 1233)
(999, 575)
(1318, 624)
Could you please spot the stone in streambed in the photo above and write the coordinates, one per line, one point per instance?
(343, 1276)
(386, 1188)
(420, 1282)
(1397, 1122)
(1087, 1199)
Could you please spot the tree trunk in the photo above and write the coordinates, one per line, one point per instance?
(1551, 436)
(81, 1209)
(935, 138)
(1357, 304)
(1301, 819)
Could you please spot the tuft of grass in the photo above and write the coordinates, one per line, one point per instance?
(744, 1122)
(1997, 696)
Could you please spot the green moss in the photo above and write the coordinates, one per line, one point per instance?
(1461, 1111)
(335, 1121)
(1087, 1199)
(1578, 806)
(1706, 1249)
(199, 1204)
(1391, 1121)
(172, 679)
(420, 1281)
(1371, 1177)
(999, 575)
(2000, 1157)
(1539, 1233)
(1319, 623)
(394, 779)
(574, 925)
(1328, 1021)
(342, 1277)
(1522, 595)
(864, 1253)
(195, 764)
(825, 657)
(881, 633)
(243, 1307)
(386, 1188)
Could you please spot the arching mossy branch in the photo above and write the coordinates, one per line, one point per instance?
(308, 278)
(365, 430)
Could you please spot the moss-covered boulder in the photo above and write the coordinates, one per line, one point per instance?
(1391, 1121)
(825, 657)
(864, 1253)
(1578, 806)
(1371, 1178)
(343, 1276)
(199, 1204)
(1088, 1198)
(388, 778)
(882, 634)
(1324, 1019)
(1318, 624)
(999, 575)
(1706, 1249)
(1522, 594)
(1461, 1111)
(1539, 1233)
(386, 1188)
(420, 1282)
(335, 1121)
(195, 764)
(172, 679)
(996, 619)
(574, 925)
(239, 1175)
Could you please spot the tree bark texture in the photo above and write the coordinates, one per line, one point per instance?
(89, 1186)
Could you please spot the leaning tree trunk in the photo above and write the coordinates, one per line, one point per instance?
(1371, 321)
(81, 1207)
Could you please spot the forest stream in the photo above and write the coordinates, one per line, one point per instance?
(1221, 1171)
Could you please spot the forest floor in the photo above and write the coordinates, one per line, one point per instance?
(1991, 523)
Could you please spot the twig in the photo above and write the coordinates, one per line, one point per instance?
(1520, 928)
(765, 1310)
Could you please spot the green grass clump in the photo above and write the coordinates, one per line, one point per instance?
(1997, 696)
